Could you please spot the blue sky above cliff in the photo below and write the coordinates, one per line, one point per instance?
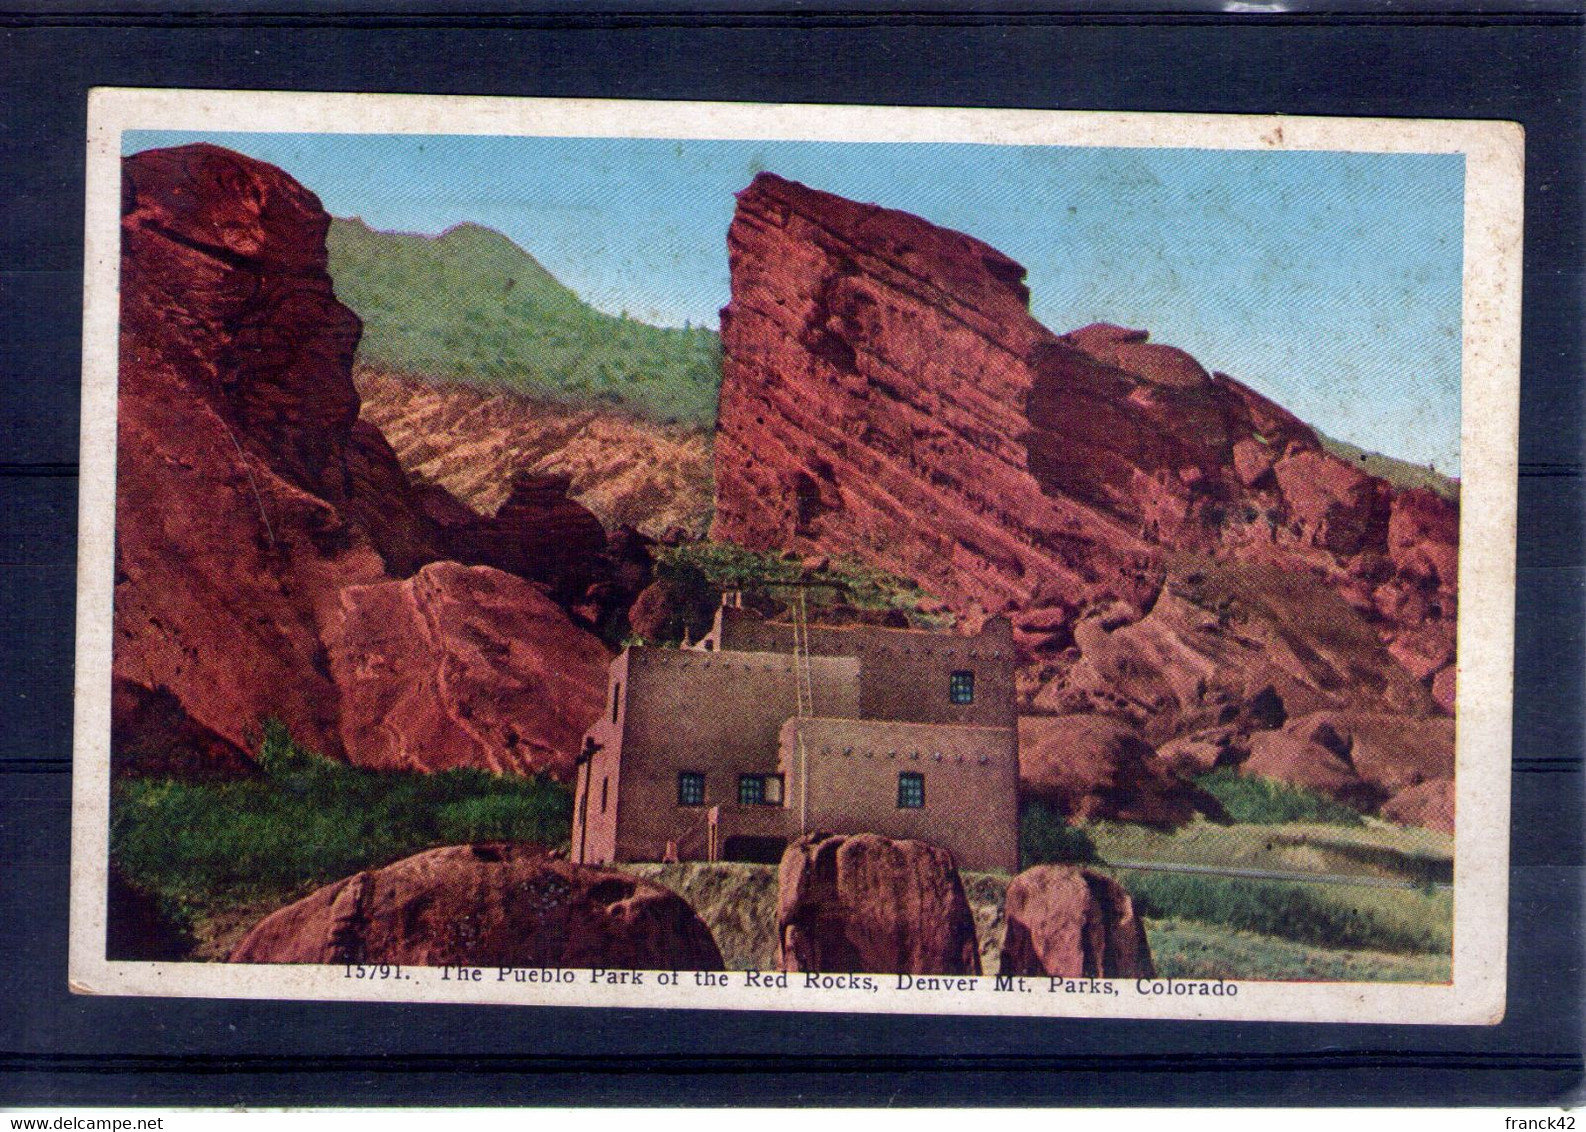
(1330, 282)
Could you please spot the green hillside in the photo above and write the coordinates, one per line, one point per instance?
(471, 306)
(1400, 473)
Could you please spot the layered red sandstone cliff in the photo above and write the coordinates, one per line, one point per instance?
(1175, 549)
(259, 520)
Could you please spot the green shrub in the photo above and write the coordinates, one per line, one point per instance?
(712, 567)
(307, 820)
(1340, 916)
(1265, 801)
(1046, 838)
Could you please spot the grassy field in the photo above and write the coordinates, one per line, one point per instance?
(1402, 921)
(1199, 926)
(1400, 473)
(217, 855)
(1184, 949)
(1266, 801)
(1373, 848)
(471, 306)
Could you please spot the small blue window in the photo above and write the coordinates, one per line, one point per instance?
(961, 687)
(690, 788)
(911, 791)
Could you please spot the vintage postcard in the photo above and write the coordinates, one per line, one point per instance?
(825, 558)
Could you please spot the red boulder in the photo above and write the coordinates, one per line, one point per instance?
(1286, 757)
(488, 905)
(1429, 804)
(1423, 536)
(1093, 768)
(869, 903)
(1073, 923)
(463, 666)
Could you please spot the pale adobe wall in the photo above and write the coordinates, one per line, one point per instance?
(904, 673)
(971, 784)
(594, 838)
(719, 713)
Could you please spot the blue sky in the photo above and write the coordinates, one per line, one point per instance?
(1328, 281)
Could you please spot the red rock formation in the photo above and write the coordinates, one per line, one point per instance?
(1230, 643)
(1286, 757)
(462, 666)
(869, 903)
(1092, 768)
(490, 905)
(224, 278)
(381, 501)
(887, 394)
(1073, 923)
(234, 415)
(1429, 804)
(1357, 757)
(250, 497)
(471, 440)
(538, 533)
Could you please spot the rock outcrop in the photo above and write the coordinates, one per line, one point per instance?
(495, 905)
(251, 499)
(471, 440)
(1073, 923)
(1359, 758)
(1094, 768)
(1174, 549)
(462, 667)
(1429, 804)
(235, 411)
(873, 904)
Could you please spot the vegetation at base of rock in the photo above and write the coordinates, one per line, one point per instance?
(1046, 837)
(1184, 949)
(471, 306)
(1266, 801)
(737, 901)
(1374, 849)
(1400, 921)
(705, 569)
(207, 848)
(1400, 473)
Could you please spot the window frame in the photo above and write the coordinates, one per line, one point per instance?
(687, 778)
(911, 790)
(760, 795)
(961, 687)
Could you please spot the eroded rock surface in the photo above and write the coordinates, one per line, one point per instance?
(1357, 757)
(1073, 923)
(870, 903)
(1175, 550)
(1428, 804)
(462, 667)
(488, 905)
(1093, 768)
(251, 498)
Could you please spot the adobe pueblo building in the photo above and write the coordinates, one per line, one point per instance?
(731, 747)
